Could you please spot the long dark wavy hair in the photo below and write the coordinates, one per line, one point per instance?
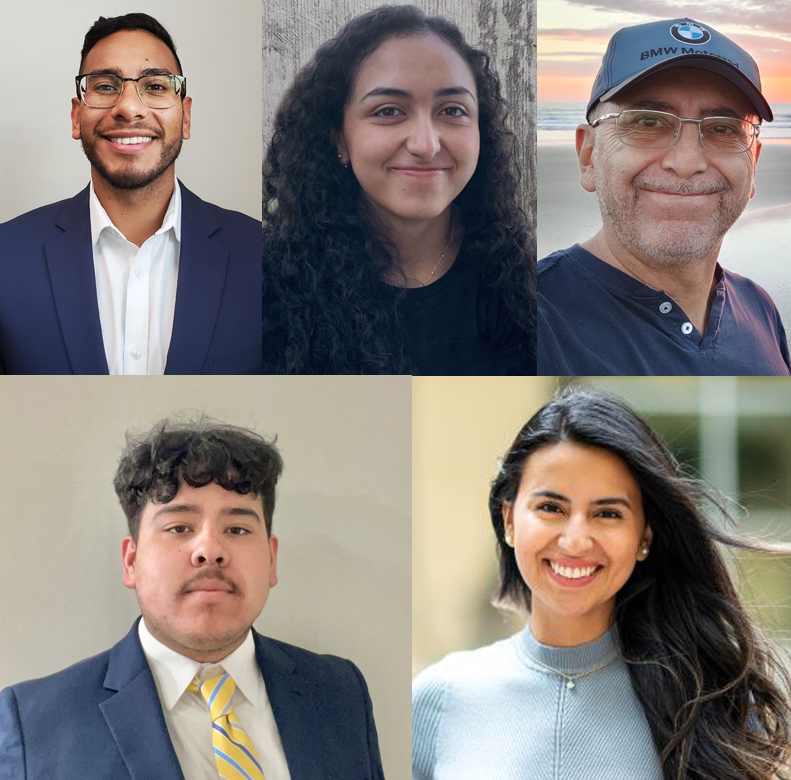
(327, 308)
(714, 693)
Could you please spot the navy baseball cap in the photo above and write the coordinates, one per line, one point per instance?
(635, 52)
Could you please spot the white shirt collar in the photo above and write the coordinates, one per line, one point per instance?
(100, 221)
(173, 672)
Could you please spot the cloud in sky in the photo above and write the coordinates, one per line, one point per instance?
(769, 16)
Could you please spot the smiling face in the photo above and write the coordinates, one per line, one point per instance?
(410, 130)
(578, 531)
(670, 206)
(158, 133)
(202, 568)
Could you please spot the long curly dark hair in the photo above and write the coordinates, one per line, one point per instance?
(714, 693)
(327, 308)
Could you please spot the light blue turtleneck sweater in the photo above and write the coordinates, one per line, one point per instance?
(497, 714)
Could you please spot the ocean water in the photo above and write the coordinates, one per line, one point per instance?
(557, 121)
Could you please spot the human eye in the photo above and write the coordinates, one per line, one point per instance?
(723, 127)
(550, 507)
(157, 84)
(238, 531)
(388, 112)
(178, 530)
(609, 514)
(454, 111)
(649, 120)
(105, 84)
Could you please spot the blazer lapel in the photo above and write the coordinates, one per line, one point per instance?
(134, 714)
(70, 264)
(202, 267)
(295, 713)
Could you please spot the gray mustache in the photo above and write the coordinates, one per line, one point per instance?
(682, 188)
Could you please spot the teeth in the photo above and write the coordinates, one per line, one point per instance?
(141, 139)
(572, 574)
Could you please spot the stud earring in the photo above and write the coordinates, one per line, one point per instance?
(644, 551)
(344, 164)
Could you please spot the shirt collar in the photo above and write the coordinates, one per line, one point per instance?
(173, 672)
(100, 221)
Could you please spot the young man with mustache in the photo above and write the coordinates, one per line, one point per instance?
(670, 149)
(193, 691)
(135, 275)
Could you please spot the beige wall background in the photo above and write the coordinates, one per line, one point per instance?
(218, 44)
(733, 431)
(505, 29)
(342, 517)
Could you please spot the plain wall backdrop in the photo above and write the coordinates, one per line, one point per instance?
(505, 29)
(342, 517)
(219, 48)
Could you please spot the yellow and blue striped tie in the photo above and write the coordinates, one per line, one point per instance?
(234, 752)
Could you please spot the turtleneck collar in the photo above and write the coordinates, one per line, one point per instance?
(571, 660)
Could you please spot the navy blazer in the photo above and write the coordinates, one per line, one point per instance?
(49, 310)
(101, 719)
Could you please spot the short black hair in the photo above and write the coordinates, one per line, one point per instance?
(105, 26)
(155, 465)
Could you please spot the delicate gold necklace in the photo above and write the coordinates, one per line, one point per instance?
(570, 679)
(444, 252)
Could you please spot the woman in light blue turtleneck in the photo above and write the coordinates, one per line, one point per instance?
(637, 646)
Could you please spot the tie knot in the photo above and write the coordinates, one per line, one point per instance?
(217, 692)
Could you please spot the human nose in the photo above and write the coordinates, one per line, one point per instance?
(129, 105)
(575, 538)
(209, 548)
(686, 156)
(423, 140)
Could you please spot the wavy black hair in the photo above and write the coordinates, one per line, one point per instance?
(327, 308)
(155, 465)
(713, 691)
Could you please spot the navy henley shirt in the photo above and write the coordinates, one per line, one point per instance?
(594, 320)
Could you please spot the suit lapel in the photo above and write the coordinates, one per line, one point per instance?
(70, 264)
(203, 263)
(134, 714)
(295, 713)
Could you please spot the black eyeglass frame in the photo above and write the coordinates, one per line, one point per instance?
(181, 90)
(756, 129)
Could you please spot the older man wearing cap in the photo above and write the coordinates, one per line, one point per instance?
(670, 149)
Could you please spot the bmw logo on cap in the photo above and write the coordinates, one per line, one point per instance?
(689, 32)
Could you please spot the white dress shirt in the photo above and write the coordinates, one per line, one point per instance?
(187, 714)
(136, 289)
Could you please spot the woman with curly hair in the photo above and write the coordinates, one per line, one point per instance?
(393, 240)
(638, 661)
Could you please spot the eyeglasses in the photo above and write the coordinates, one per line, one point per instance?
(660, 130)
(104, 90)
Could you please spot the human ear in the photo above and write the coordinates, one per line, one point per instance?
(186, 117)
(128, 557)
(508, 522)
(584, 139)
(645, 544)
(75, 119)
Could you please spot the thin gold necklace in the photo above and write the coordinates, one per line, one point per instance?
(444, 252)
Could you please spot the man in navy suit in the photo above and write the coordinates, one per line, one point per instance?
(201, 557)
(134, 275)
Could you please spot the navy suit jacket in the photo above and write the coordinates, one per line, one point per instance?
(49, 310)
(101, 719)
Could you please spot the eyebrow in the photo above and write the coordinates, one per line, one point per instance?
(190, 509)
(661, 105)
(117, 72)
(608, 500)
(402, 93)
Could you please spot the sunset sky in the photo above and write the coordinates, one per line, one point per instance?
(573, 34)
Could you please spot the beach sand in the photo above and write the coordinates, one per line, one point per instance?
(757, 246)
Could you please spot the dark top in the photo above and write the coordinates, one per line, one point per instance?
(458, 326)
(595, 320)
